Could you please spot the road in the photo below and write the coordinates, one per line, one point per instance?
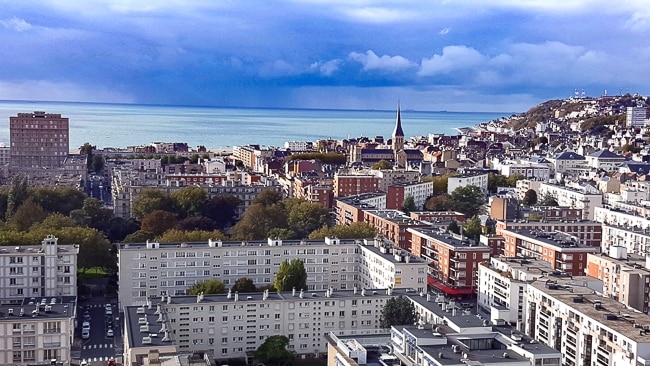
(99, 348)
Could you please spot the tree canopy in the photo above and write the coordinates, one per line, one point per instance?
(211, 286)
(356, 230)
(530, 197)
(274, 351)
(382, 165)
(397, 311)
(467, 200)
(291, 274)
(244, 284)
(409, 204)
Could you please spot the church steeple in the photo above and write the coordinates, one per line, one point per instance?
(398, 134)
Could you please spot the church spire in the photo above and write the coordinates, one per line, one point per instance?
(398, 123)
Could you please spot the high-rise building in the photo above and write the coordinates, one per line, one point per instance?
(38, 140)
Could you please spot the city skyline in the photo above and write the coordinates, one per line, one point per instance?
(501, 56)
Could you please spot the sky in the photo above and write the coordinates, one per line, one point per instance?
(430, 55)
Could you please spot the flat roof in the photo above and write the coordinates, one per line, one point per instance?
(452, 240)
(555, 239)
(35, 249)
(48, 308)
(389, 256)
(253, 244)
(396, 216)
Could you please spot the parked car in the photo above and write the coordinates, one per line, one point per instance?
(85, 333)
(109, 332)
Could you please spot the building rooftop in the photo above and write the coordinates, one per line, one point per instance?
(36, 249)
(558, 240)
(453, 240)
(39, 308)
(396, 216)
(392, 253)
(239, 244)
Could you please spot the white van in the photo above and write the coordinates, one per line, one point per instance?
(85, 333)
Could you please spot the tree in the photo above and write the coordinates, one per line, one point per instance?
(179, 236)
(17, 194)
(356, 230)
(258, 221)
(189, 201)
(63, 200)
(87, 149)
(274, 351)
(118, 228)
(150, 200)
(512, 180)
(244, 284)
(397, 311)
(408, 205)
(547, 200)
(28, 214)
(440, 183)
(158, 222)
(382, 165)
(211, 286)
(303, 216)
(495, 181)
(530, 197)
(438, 203)
(472, 228)
(95, 214)
(268, 197)
(98, 163)
(221, 209)
(196, 223)
(467, 200)
(291, 274)
(139, 236)
(454, 227)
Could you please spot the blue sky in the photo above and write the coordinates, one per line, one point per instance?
(456, 55)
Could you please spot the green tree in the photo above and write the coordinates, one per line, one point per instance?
(382, 165)
(454, 227)
(472, 228)
(356, 230)
(467, 200)
(180, 236)
(408, 205)
(530, 197)
(118, 228)
(291, 274)
(274, 351)
(438, 203)
(211, 286)
(222, 209)
(95, 215)
(196, 223)
(512, 180)
(303, 216)
(495, 181)
(87, 149)
(190, 201)
(158, 222)
(28, 214)
(150, 200)
(397, 311)
(98, 163)
(258, 221)
(268, 197)
(440, 183)
(63, 200)
(547, 200)
(244, 284)
(17, 194)
(139, 236)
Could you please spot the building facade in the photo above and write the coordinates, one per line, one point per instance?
(38, 140)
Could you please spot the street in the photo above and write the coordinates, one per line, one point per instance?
(99, 347)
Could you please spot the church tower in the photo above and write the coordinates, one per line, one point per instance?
(398, 134)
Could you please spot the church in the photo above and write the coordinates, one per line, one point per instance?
(370, 152)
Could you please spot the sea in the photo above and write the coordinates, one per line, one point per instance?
(123, 125)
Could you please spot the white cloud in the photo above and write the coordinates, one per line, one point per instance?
(377, 14)
(443, 31)
(327, 68)
(452, 59)
(278, 68)
(60, 92)
(19, 25)
(639, 21)
(371, 61)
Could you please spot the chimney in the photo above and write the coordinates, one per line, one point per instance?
(355, 289)
(389, 291)
(229, 296)
(428, 297)
(293, 292)
(169, 298)
(363, 292)
(301, 293)
(236, 295)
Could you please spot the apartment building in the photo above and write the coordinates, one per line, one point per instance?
(350, 209)
(633, 216)
(46, 270)
(586, 198)
(396, 194)
(635, 240)
(586, 328)
(393, 225)
(524, 185)
(564, 252)
(233, 325)
(453, 259)
(348, 185)
(626, 277)
(477, 180)
(37, 331)
(532, 171)
(569, 162)
(438, 216)
(152, 269)
(605, 160)
(588, 233)
(502, 283)
(391, 177)
(382, 266)
(636, 116)
(38, 140)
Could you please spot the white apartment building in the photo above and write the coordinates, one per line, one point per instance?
(297, 145)
(621, 217)
(46, 270)
(529, 170)
(394, 177)
(522, 186)
(232, 325)
(569, 162)
(381, 266)
(586, 328)
(502, 283)
(635, 240)
(37, 331)
(635, 116)
(478, 180)
(153, 269)
(419, 191)
(586, 199)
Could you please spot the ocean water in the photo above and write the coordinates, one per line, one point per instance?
(122, 125)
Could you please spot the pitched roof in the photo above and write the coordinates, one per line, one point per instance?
(570, 155)
(605, 154)
(398, 124)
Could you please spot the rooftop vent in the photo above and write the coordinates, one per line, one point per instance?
(146, 340)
